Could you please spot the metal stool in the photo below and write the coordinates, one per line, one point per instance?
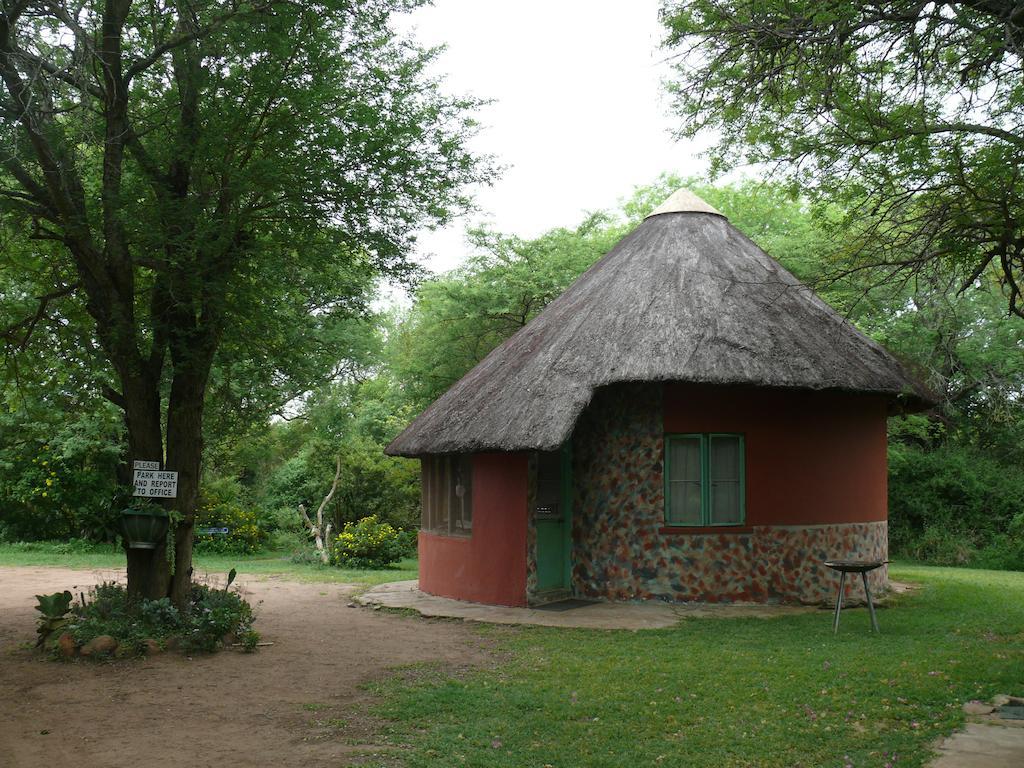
(863, 567)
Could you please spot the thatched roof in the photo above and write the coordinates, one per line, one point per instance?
(683, 297)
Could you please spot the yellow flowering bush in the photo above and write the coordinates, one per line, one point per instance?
(244, 536)
(369, 543)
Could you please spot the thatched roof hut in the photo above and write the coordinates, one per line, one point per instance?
(684, 297)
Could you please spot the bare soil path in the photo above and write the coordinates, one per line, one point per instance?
(297, 703)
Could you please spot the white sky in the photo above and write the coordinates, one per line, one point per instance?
(579, 115)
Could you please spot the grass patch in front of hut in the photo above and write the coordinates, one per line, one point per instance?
(730, 692)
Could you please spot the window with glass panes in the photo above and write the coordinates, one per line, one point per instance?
(447, 494)
(704, 479)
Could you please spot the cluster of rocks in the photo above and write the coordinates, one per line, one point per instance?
(106, 645)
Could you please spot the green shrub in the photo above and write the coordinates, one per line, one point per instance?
(369, 543)
(287, 541)
(80, 547)
(69, 547)
(244, 536)
(53, 619)
(58, 473)
(305, 554)
(942, 546)
(282, 520)
(954, 505)
(1006, 550)
(212, 615)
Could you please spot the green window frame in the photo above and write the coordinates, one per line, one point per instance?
(705, 481)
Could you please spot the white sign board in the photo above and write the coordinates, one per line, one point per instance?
(145, 464)
(156, 484)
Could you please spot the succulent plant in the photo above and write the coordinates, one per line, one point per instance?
(54, 609)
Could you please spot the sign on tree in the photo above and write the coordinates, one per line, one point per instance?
(156, 484)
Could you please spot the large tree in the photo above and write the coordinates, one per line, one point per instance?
(909, 114)
(184, 184)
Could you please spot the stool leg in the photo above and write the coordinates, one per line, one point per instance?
(871, 605)
(839, 601)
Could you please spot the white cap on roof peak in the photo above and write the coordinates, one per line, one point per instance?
(684, 201)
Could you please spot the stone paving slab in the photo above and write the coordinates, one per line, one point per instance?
(982, 745)
(647, 615)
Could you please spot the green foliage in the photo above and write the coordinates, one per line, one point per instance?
(972, 357)
(954, 505)
(221, 204)
(212, 614)
(57, 467)
(357, 421)
(1006, 550)
(250, 640)
(221, 507)
(54, 606)
(54, 609)
(69, 547)
(459, 317)
(369, 543)
(296, 461)
(907, 115)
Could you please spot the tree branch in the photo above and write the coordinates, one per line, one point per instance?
(29, 323)
(141, 65)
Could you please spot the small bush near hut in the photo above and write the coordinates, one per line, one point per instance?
(369, 543)
(105, 622)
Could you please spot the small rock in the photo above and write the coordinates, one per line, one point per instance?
(99, 646)
(978, 708)
(152, 647)
(67, 646)
(1004, 699)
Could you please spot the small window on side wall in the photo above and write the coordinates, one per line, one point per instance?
(447, 494)
(704, 479)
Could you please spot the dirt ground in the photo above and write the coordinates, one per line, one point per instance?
(296, 703)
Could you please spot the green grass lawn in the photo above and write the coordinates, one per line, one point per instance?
(729, 692)
(265, 563)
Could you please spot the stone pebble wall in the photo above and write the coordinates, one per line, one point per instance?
(619, 552)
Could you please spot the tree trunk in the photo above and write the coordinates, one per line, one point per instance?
(184, 455)
(148, 570)
(322, 533)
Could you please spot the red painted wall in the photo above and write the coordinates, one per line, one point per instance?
(490, 565)
(811, 457)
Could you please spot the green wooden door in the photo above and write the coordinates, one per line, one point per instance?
(553, 520)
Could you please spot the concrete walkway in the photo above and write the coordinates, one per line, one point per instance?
(982, 745)
(646, 615)
(987, 741)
